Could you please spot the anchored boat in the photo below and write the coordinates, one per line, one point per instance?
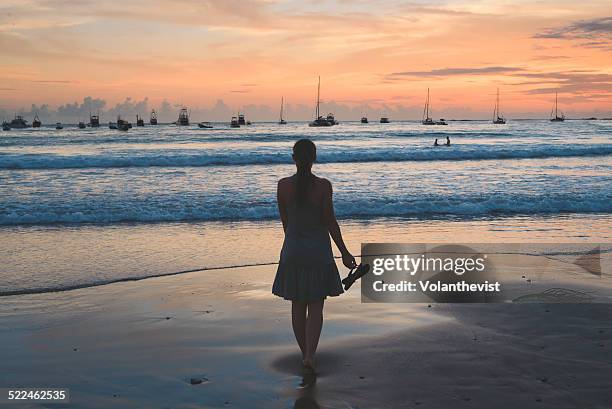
(36, 122)
(94, 120)
(427, 120)
(497, 119)
(18, 122)
(183, 119)
(153, 118)
(281, 121)
(319, 120)
(556, 118)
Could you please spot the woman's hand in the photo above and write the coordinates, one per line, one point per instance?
(348, 260)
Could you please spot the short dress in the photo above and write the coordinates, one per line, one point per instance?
(306, 271)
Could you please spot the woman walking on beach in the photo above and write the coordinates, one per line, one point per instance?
(307, 272)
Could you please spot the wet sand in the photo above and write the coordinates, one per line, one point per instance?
(140, 344)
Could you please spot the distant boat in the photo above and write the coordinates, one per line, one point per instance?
(183, 119)
(112, 125)
(241, 120)
(497, 119)
(426, 118)
(122, 124)
(139, 121)
(384, 120)
(36, 122)
(18, 122)
(364, 120)
(319, 120)
(94, 120)
(556, 118)
(248, 122)
(82, 125)
(6, 126)
(58, 125)
(234, 122)
(281, 121)
(153, 119)
(331, 119)
(206, 125)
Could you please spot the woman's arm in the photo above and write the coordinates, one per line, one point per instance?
(282, 207)
(333, 227)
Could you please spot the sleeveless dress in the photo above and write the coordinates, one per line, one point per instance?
(306, 271)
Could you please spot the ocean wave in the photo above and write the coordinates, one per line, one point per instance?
(176, 210)
(333, 154)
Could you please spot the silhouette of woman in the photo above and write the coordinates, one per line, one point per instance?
(307, 272)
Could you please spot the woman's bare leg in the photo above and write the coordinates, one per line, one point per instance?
(298, 321)
(314, 324)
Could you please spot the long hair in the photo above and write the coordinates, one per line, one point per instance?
(304, 155)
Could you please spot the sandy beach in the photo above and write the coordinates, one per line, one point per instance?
(143, 344)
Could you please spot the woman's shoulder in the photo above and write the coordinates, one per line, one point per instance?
(323, 182)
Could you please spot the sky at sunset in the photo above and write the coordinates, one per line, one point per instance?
(218, 56)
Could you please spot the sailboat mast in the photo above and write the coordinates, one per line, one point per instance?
(281, 111)
(556, 97)
(427, 105)
(318, 95)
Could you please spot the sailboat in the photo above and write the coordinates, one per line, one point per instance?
(281, 120)
(496, 118)
(320, 121)
(556, 118)
(426, 118)
(36, 123)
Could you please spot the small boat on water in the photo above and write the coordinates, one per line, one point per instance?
(556, 118)
(153, 119)
(122, 124)
(94, 120)
(282, 121)
(384, 120)
(320, 120)
(58, 125)
(112, 125)
(18, 122)
(234, 122)
(36, 122)
(241, 120)
(497, 119)
(139, 121)
(364, 119)
(183, 119)
(6, 126)
(427, 120)
(205, 125)
(82, 125)
(331, 119)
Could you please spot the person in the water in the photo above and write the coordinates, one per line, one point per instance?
(447, 141)
(436, 142)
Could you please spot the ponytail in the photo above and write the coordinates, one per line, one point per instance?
(304, 155)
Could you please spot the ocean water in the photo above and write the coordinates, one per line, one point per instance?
(104, 185)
